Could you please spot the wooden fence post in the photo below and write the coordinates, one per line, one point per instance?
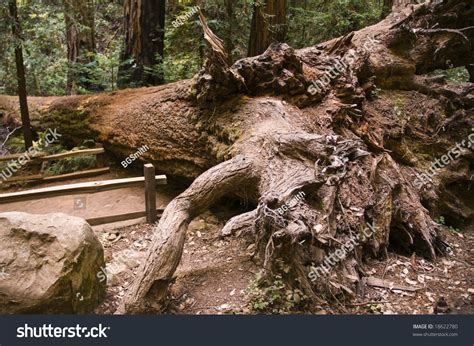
(150, 193)
(100, 157)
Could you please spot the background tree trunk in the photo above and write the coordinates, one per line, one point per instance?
(81, 48)
(228, 37)
(20, 71)
(144, 27)
(171, 7)
(268, 25)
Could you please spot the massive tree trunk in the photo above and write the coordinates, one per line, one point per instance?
(268, 25)
(20, 72)
(288, 123)
(81, 49)
(144, 26)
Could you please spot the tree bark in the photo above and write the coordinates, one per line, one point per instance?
(20, 72)
(171, 7)
(205, 190)
(268, 25)
(285, 159)
(81, 48)
(228, 41)
(144, 25)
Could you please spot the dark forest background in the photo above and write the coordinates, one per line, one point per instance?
(100, 29)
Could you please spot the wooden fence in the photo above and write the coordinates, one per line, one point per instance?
(40, 157)
(149, 181)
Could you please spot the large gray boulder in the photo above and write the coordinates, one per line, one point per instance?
(49, 264)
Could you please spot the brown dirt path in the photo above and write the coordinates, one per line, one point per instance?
(93, 205)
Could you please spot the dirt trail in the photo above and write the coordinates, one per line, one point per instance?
(212, 277)
(94, 205)
(215, 272)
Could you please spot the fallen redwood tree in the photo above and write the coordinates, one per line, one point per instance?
(352, 144)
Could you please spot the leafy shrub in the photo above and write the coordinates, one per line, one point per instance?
(441, 220)
(271, 295)
(71, 164)
(456, 74)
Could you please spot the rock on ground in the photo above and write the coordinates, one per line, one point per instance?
(49, 264)
(123, 263)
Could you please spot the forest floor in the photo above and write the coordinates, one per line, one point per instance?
(215, 273)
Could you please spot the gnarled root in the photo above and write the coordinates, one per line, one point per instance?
(149, 290)
(316, 193)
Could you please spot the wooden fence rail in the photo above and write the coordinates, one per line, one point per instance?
(148, 181)
(120, 217)
(79, 188)
(41, 157)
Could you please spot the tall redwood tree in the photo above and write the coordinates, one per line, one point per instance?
(144, 25)
(81, 46)
(20, 72)
(268, 25)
